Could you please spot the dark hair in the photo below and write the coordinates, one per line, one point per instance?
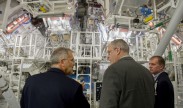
(161, 60)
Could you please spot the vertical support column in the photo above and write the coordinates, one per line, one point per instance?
(147, 50)
(154, 10)
(20, 46)
(137, 47)
(106, 7)
(36, 50)
(45, 49)
(30, 46)
(176, 80)
(15, 47)
(141, 48)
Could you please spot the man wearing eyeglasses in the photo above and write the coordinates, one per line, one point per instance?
(53, 89)
(126, 83)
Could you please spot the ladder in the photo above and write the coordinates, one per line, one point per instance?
(16, 76)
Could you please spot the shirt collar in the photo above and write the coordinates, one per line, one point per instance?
(156, 76)
(56, 70)
(125, 56)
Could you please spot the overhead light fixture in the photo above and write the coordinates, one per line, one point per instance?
(16, 23)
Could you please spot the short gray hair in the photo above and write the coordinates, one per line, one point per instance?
(120, 43)
(59, 54)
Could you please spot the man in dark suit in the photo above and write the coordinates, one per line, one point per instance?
(53, 89)
(126, 83)
(164, 93)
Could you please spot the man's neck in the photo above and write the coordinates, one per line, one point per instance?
(125, 55)
(56, 66)
(156, 75)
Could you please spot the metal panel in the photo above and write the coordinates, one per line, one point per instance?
(135, 3)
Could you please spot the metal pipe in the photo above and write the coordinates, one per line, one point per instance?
(164, 7)
(6, 14)
(117, 7)
(154, 10)
(175, 20)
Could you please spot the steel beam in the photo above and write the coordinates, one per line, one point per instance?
(175, 20)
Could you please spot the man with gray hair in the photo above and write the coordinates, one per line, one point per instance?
(53, 89)
(126, 83)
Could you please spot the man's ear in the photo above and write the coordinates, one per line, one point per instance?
(162, 67)
(118, 50)
(62, 64)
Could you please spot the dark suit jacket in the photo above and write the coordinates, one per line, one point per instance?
(127, 84)
(164, 97)
(53, 89)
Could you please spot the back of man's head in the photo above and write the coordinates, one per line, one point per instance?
(59, 54)
(120, 43)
